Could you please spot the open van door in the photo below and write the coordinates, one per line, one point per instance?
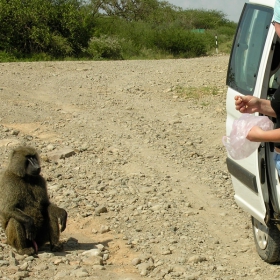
(246, 76)
(253, 61)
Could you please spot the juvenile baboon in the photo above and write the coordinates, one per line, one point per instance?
(26, 213)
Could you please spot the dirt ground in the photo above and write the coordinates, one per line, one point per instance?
(140, 170)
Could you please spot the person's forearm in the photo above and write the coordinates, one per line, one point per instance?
(277, 28)
(266, 109)
(268, 136)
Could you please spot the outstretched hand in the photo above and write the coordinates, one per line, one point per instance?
(246, 104)
(255, 134)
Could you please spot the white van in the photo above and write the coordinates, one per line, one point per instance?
(254, 69)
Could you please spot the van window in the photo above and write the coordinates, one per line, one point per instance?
(248, 48)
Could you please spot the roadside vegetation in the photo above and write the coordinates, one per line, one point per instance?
(196, 93)
(33, 30)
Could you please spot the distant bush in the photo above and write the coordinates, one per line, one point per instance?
(104, 47)
(7, 57)
(108, 29)
(181, 43)
(226, 31)
(139, 32)
(58, 28)
(59, 46)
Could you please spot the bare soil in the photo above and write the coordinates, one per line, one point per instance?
(146, 177)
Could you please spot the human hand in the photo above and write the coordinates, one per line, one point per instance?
(246, 104)
(255, 134)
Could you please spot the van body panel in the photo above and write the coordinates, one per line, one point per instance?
(248, 207)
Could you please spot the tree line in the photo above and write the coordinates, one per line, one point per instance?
(108, 29)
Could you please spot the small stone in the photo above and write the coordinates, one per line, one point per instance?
(104, 229)
(93, 260)
(100, 209)
(92, 252)
(196, 259)
(136, 261)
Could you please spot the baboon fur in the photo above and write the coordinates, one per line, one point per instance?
(26, 214)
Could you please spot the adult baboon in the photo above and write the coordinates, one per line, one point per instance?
(26, 213)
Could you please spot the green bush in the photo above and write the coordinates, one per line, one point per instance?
(226, 31)
(79, 29)
(7, 57)
(104, 47)
(59, 46)
(129, 49)
(39, 26)
(181, 43)
(139, 32)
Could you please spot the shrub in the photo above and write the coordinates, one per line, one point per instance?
(181, 42)
(7, 57)
(104, 47)
(226, 31)
(59, 46)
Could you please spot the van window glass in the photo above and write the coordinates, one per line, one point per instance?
(248, 48)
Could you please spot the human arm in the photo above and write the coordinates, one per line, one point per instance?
(277, 28)
(251, 104)
(256, 134)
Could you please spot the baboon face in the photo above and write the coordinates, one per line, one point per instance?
(25, 161)
(33, 167)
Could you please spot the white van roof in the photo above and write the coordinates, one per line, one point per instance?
(269, 3)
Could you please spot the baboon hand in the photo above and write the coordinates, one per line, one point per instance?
(62, 216)
(30, 229)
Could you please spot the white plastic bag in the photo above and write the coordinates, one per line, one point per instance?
(237, 145)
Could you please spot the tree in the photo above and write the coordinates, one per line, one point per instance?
(131, 10)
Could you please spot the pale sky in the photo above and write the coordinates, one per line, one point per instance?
(231, 8)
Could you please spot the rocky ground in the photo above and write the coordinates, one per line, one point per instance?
(140, 170)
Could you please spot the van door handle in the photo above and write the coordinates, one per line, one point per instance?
(262, 171)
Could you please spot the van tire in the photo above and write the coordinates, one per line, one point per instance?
(267, 241)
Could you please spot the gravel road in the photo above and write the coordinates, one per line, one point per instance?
(140, 170)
